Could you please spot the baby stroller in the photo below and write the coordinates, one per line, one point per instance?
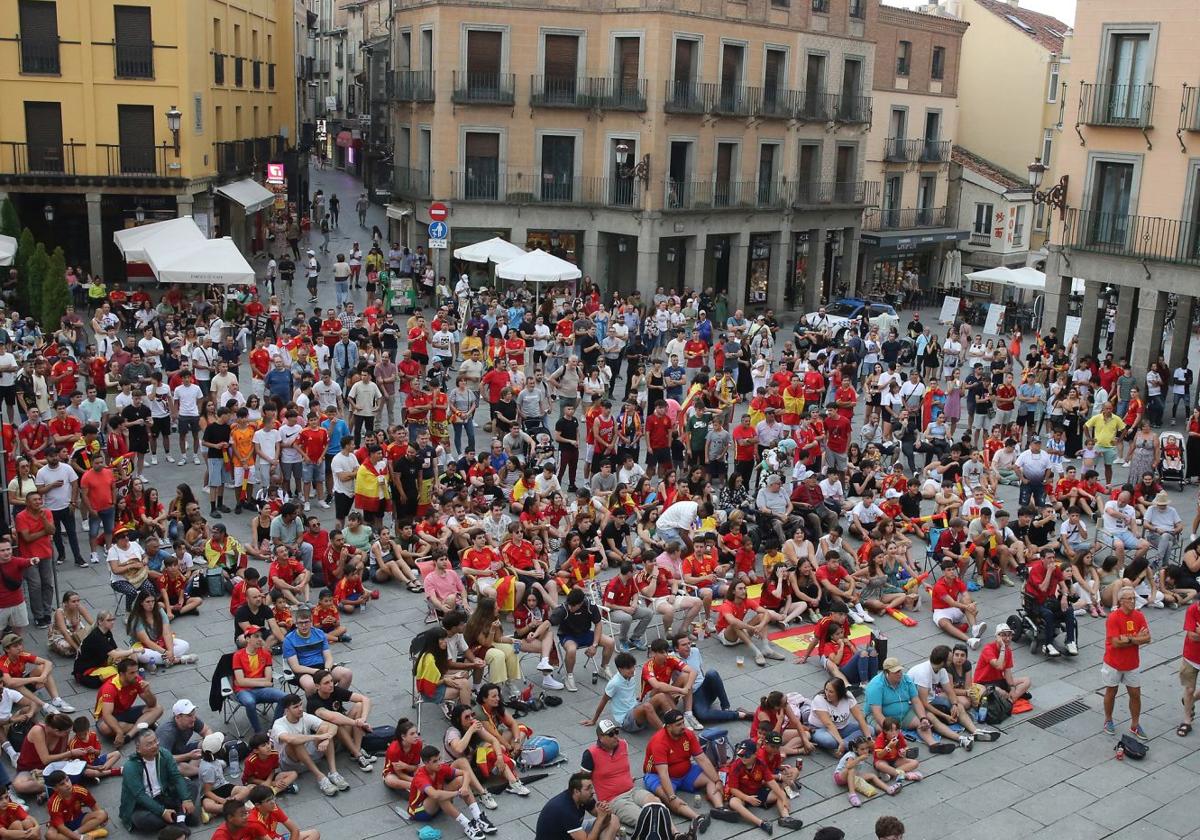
(1173, 466)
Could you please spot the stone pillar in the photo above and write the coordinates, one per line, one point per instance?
(95, 233)
(1058, 288)
(816, 270)
(590, 264)
(647, 262)
(779, 271)
(183, 204)
(1126, 310)
(1182, 338)
(1147, 331)
(739, 244)
(849, 270)
(1089, 320)
(697, 252)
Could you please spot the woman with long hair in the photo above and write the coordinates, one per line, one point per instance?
(68, 625)
(435, 681)
(150, 631)
(486, 640)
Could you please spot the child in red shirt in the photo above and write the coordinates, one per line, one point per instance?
(403, 756)
(261, 766)
(890, 760)
(350, 594)
(327, 619)
(100, 763)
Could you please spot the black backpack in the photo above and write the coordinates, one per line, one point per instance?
(1132, 747)
(653, 823)
(998, 707)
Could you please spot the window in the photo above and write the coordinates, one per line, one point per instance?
(561, 65)
(482, 160)
(858, 9)
(983, 220)
(43, 137)
(1039, 217)
(558, 167)
(135, 128)
(892, 189)
(39, 36)
(903, 57)
(484, 51)
(937, 68)
(1047, 145)
(134, 45)
(1128, 75)
(1112, 193)
(627, 64)
(781, 4)
(1052, 85)
(1019, 227)
(820, 6)
(725, 186)
(767, 155)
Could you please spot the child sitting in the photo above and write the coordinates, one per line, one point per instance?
(215, 788)
(350, 594)
(890, 758)
(749, 783)
(854, 773)
(327, 619)
(100, 763)
(262, 766)
(175, 590)
(403, 756)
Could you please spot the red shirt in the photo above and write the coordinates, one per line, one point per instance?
(658, 431)
(331, 329)
(984, 672)
(416, 409)
(258, 767)
(837, 433)
(944, 591)
(519, 554)
(260, 362)
(1128, 657)
(1191, 624)
(41, 547)
(482, 559)
(622, 594)
(835, 574)
(313, 443)
(270, 822)
(745, 443)
(33, 436)
(422, 780)
(287, 571)
(663, 673)
(396, 752)
(738, 611)
(65, 809)
(749, 780)
(418, 341)
(63, 373)
(1037, 576)
(495, 380)
(846, 393)
(252, 667)
(11, 813)
(676, 753)
(699, 348)
(16, 667)
(122, 696)
(67, 425)
(250, 831)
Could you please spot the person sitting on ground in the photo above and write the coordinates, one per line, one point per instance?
(151, 801)
(15, 821)
(435, 786)
(749, 783)
(630, 712)
(261, 766)
(117, 716)
(740, 621)
(838, 586)
(855, 772)
(300, 737)
(891, 759)
(348, 711)
(15, 672)
(892, 693)
(953, 605)
(215, 788)
(470, 740)
(676, 762)
(774, 714)
(836, 717)
(403, 756)
(994, 669)
(608, 762)
(936, 690)
(267, 813)
(83, 737)
(564, 816)
(664, 674)
(710, 702)
(72, 810)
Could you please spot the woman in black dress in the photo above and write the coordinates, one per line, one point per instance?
(745, 384)
(98, 653)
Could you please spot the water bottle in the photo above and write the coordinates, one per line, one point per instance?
(1120, 752)
(235, 767)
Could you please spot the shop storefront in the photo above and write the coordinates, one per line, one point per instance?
(564, 244)
(900, 266)
(758, 269)
(797, 275)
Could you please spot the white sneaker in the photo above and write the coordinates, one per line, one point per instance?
(154, 460)
(549, 682)
(1072, 649)
(570, 683)
(337, 779)
(979, 629)
(973, 643)
(170, 459)
(545, 665)
(518, 787)
(10, 753)
(196, 459)
(690, 720)
(866, 617)
(95, 558)
(62, 705)
(323, 505)
(327, 787)
(307, 507)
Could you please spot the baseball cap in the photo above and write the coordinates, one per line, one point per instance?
(183, 707)
(892, 493)
(673, 716)
(607, 727)
(746, 748)
(892, 664)
(213, 742)
(252, 630)
(1003, 628)
(10, 639)
(773, 738)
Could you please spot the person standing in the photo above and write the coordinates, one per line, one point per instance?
(361, 206)
(1125, 631)
(341, 280)
(335, 207)
(216, 441)
(58, 485)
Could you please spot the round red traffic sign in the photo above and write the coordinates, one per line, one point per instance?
(438, 212)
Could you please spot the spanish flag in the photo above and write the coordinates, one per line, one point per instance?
(370, 493)
(506, 593)
(693, 394)
(428, 676)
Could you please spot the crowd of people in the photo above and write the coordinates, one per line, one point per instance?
(653, 478)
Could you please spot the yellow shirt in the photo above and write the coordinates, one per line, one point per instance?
(1104, 431)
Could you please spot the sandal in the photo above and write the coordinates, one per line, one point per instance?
(1183, 730)
(856, 800)
(893, 789)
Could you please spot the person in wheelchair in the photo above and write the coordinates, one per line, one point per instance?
(1050, 602)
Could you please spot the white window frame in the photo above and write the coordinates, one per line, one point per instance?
(991, 211)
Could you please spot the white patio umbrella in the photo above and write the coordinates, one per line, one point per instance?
(8, 249)
(538, 267)
(495, 250)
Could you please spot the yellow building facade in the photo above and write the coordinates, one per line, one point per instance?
(119, 113)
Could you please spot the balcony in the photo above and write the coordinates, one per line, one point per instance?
(413, 85)
(218, 69)
(900, 150)
(836, 193)
(411, 183)
(39, 55)
(1189, 115)
(1117, 106)
(239, 72)
(719, 98)
(777, 103)
(483, 88)
(935, 151)
(912, 218)
(599, 92)
(726, 195)
(1134, 237)
(241, 157)
(134, 161)
(38, 160)
(983, 240)
(530, 188)
(895, 150)
(133, 61)
(321, 65)
(682, 97)
(855, 110)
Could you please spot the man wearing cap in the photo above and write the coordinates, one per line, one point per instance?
(1031, 467)
(995, 667)
(675, 762)
(252, 678)
(1162, 527)
(181, 735)
(608, 762)
(892, 693)
(750, 783)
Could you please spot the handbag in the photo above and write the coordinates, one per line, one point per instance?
(1132, 747)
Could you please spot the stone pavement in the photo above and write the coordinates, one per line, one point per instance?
(1060, 783)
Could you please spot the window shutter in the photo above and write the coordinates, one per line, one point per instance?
(724, 162)
(43, 136)
(628, 62)
(132, 25)
(39, 36)
(136, 135)
(483, 52)
(481, 145)
(774, 70)
(683, 61)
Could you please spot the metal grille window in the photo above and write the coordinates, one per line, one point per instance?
(133, 44)
(39, 36)
(218, 69)
(256, 74)
(135, 129)
(482, 159)
(858, 8)
(821, 6)
(937, 69)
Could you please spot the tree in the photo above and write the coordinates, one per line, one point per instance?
(35, 277)
(25, 248)
(55, 294)
(10, 223)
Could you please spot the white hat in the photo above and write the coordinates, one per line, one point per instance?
(892, 493)
(1003, 628)
(213, 742)
(183, 707)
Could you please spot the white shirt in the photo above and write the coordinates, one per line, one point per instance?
(159, 400)
(1164, 519)
(226, 396)
(116, 554)
(266, 443)
(680, 516)
(59, 497)
(8, 369)
(1112, 523)
(288, 436)
(541, 337)
(202, 362)
(935, 682)
(327, 395)
(188, 397)
(152, 349)
(8, 698)
(867, 515)
(344, 462)
(1034, 464)
(839, 713)
(307, 725)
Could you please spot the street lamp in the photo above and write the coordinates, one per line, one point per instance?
(626, 168)
(1056, 196)
(139, 213)
(174, 119)
(48, 212)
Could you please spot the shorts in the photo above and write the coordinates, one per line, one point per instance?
(1187, 673)
(287, 763)
(189, 423)
(313, 473)
(1110, 677)
(686, 783)
(216, 473)
(421, 815)
(245, 475)
(292, 471)
(1006, 417)
(1108, 453)
(101, 521)
(160, 426)
(581, 640)
(981, 421)
(224, 791)
(342, 505)
(953, 613)
(1125, 538)
(75, 823)
(8, 395)
(131, 714)
(14, 616)
(630, 723)
(659, 456)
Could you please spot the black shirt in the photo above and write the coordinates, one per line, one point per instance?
(336, 702)
(215, 433)
(258, 619)
(569, 429)
(506, 416)
(559, 817)
(589, 349)
(139, 435)
(93, 651)
(910, 505)
(287, 268)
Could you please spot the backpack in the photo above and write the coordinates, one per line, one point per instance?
(1132, 747)
(379, 739)
(715, 743)
(540, 751)
(999, 707)
(653, 823)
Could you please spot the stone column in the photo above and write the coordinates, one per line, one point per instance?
(590, 264)
(183, 204)
(647, 262)
(816, 270)
(779, 271)
(739, 245)
(1181, 340)
(1058, 288)
(1089, 320)
(95, 233)
(1127, 306)
(1147, 331)
(697, 253)
(849, 271)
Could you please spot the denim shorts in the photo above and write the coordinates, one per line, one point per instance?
(313, 473)
(216, 473)
(101, 522)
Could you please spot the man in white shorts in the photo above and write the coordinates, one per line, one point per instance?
(300, 737)
(1125, 631)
